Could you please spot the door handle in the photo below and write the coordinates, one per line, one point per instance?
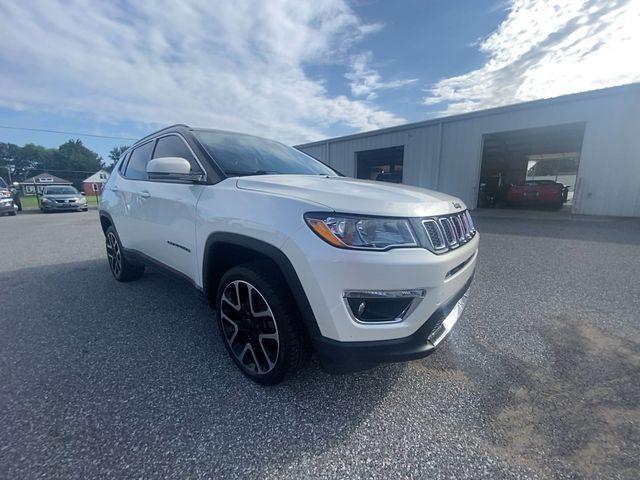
(114, 189)
(145, 194)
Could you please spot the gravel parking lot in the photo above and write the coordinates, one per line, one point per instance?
(539, 379)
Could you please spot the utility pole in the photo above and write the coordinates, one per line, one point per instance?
(35, 187)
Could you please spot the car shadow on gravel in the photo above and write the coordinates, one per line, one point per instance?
(100, 378)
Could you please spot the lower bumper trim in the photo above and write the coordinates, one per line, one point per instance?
(345, 357)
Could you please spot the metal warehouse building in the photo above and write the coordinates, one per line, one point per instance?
(588, 141)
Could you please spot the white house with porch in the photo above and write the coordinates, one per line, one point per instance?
(39, 182)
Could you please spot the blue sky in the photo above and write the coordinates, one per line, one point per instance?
(292, 70)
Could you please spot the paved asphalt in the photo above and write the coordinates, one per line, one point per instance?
(540, 378)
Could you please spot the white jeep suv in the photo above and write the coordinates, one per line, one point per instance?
(293, 256)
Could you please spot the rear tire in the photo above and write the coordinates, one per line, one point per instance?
(258, 321)
(122, 269)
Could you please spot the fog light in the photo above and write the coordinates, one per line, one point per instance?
(382, 306)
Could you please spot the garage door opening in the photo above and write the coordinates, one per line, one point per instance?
(383, 164)
(531, 168)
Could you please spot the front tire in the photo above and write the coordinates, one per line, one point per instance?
(258, 320)
(121, 268)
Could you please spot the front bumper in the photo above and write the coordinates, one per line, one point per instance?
(343, 357)
(326, 273)
(344, 343)
(6, 206)
(63, 207)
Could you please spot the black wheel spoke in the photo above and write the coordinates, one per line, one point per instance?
(265, 341)
(232, 324)
(249, 327)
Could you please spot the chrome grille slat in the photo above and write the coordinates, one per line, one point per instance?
(435, 235)
(470, 220)
(447, 232)
(463, 226)
(467, 230)
(459, 230)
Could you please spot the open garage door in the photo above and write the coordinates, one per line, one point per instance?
(531, 168)
(383, 164)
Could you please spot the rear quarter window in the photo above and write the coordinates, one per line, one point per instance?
(123, 162)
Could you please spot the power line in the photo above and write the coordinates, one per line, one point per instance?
(66, 133)
(47, 170)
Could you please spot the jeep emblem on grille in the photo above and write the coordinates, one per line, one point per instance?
(456, 205)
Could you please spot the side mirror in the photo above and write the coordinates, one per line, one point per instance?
(16, 185)
(169, 168)
(39, 194)
(83, 194)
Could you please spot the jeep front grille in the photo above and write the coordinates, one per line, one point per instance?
(447, 232)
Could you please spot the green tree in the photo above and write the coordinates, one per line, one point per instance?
(25, 160)
(72, 161)
(8, 161)
(115, 154)
(74, 156)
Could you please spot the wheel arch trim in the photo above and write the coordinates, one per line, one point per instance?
(272, 253)
(109, 218)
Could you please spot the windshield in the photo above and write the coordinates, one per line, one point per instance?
(239, 154)
(60, 191)
(3, 184)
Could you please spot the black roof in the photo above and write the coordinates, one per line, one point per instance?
(38, 179)
(170, 127)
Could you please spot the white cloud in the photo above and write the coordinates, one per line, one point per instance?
(236, 65)
(547, 48)
(366, 81)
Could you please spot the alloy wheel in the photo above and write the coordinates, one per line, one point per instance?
(249, 327)
(114, 254)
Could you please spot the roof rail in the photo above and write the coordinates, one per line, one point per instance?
(161, 130)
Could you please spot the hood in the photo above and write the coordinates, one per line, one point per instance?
(347, 195)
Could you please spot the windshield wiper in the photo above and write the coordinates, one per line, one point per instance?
(255, 172)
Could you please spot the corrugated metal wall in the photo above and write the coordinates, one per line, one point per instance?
(446, 155)
(318, 151)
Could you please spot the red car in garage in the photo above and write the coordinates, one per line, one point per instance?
(538, 192)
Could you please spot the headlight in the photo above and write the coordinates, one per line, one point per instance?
(81, 200)
(46, 200)
(371, 233)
